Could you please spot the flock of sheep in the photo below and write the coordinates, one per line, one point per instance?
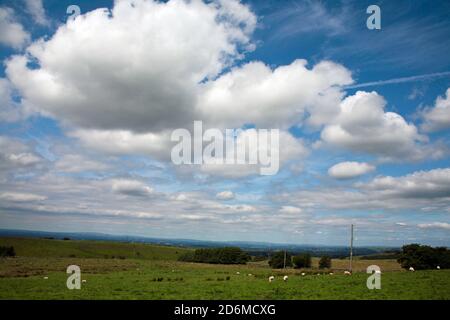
(346, 272)
(285, 278)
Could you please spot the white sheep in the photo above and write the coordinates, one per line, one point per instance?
(271, 278)
(45, 278)
(438, 267)
(346, 272)
(84, 281)
(238, 272)
(249, 274)
(285, 278)
(303, 273)
(331, 273)
(411, 269)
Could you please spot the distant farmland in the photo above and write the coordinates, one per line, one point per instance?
(46, 248)
(142, 271)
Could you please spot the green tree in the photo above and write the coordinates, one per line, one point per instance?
(325, 262)
(7, 251)
(277, 260)
(424, 257)
(302, 261)
(227, 255)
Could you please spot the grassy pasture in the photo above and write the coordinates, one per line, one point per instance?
(161, 277)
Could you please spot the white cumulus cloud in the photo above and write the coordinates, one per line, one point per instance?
(438, 117)
(225, 195)
(363, 126)
(350, 169)
(12, 32)
(135, 67)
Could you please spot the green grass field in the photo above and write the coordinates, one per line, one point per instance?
(155, 274)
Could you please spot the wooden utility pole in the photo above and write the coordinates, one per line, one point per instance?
(284, 264)
(351, 248)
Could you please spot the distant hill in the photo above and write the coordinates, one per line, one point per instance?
(56, 248)
(254, 248)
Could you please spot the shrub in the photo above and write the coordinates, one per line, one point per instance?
(424, 257)
(227, 255)
(277, 260)
(302, 261)
(325, 262)
(7, 251)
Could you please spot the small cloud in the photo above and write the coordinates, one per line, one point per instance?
(131, 188)
(290, 210)
(73, 163)
(36, 9)
(435, 225)
(13, 34)
(415, 93)
(21, 197)
(225, 195)
(349, 170)
(438, 117)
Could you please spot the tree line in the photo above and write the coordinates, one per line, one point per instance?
(422, 257)
(283, 259)
(7, 251)
(226, 255)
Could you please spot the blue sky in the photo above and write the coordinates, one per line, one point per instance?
(87, 108)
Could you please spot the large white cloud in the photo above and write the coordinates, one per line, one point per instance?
(13, 34)
(274, 98)
(135, 67)
(421, 190)
(438, 117)
(291, 150)
(364, 126)
(421, 184)
(122, 142)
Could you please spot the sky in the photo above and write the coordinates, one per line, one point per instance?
(88, 104)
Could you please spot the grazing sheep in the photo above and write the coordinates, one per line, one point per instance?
(346, 272)
(238, 272)
(249, 274)
(411, 269)
(303, 273)
(331, 273)
(438, 267)
(271, 278)
(84, 281)
(285, 278)
(45, 278)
